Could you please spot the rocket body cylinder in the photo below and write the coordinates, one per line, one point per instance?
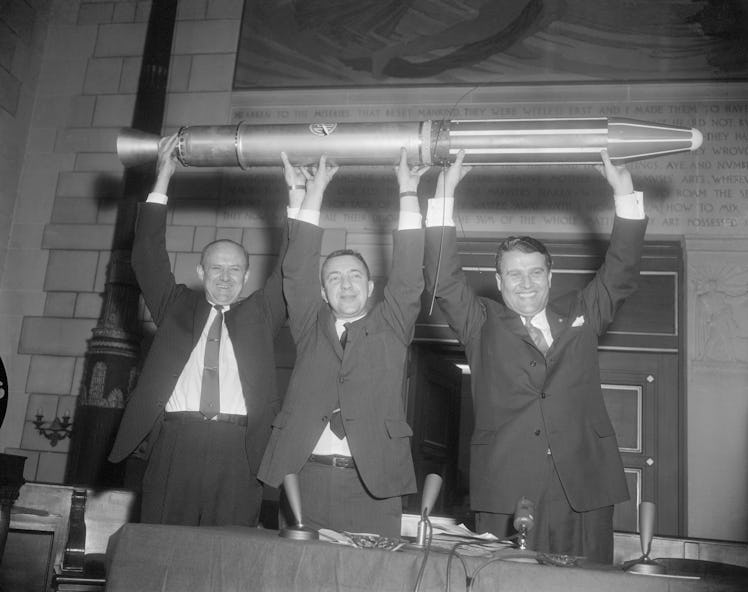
(247, 145)
(486, 142)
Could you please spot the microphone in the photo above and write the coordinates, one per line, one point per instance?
(297, 531)
(431, 487)
(524, 520)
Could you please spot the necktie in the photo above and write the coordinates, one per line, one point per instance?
(537, 336)
(210, 401)
(336, 421)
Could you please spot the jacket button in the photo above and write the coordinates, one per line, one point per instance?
(341, 379)
(537, 432)
(542, 395)
(533, 363)
(325, 419)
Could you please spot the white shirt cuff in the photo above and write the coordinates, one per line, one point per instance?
(410, 221)
(630, 206)
(155, 197)
(439, 211)
(310, 216)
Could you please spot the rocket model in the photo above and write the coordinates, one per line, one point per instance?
(485, 141)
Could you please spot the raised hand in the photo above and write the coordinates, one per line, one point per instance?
(296, 181)
(408, 177)
(618, 176)
(319, 176)
(306, 185)
(166, 163)
(450, 177)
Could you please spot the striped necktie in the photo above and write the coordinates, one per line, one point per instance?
(536, 335)
(336, 421)
(210, 399)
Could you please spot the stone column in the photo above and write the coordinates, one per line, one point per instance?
(112, 359)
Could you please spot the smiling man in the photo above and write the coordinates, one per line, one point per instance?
(541, 427)
(201, 411)
(342, 427)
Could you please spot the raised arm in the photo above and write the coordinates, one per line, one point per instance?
(402, 292)
(408, 179)
(149, 258)
(442, 268)
(301, 283)
(618, 277)
(166, 163)
(628, 202)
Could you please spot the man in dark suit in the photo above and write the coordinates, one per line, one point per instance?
(541, 427)
(342, 427)
(202, 408)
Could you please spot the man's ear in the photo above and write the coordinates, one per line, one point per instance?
(550, 275)
(498, 281)
(371, 289)
(324, 294)
(200, 272)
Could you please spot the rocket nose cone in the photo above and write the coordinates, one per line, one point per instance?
(696, 138)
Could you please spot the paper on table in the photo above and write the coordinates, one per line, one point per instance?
(462, 531)
(361, 540)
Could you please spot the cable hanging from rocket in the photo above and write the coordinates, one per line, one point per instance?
(485, 141)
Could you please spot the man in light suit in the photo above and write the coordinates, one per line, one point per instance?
(342, 427)
(541, 427)
(201, 464)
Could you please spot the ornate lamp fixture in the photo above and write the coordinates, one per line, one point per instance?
(55, 430)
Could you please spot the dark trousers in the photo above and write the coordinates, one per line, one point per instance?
(198, 475)
(558, 528)
(336, 499)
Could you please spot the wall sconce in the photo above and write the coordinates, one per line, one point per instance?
(55, 430)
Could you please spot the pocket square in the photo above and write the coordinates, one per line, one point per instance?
(578, 322)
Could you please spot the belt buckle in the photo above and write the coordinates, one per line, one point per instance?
(338, 462)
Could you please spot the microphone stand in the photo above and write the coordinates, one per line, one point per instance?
(645, 565)
(297, 531)
(431, 488)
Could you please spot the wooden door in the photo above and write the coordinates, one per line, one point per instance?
(641, 395)
(433, 408)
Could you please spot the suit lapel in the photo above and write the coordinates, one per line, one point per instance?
(514, 322)
(557, 322)
(330, 332)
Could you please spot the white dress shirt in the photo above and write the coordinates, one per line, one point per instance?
(186, 394)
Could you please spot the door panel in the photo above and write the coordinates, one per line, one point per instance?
(641, 394)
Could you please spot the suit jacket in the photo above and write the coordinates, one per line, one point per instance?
(180, 315)
(367, 377)
(526, 403)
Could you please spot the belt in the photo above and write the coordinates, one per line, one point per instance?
(192, 416)
(333, 460)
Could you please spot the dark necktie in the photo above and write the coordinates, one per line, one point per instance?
(210, 400)
(536, 335)
(336, 421)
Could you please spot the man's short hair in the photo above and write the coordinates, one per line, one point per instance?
(525, 244)
(342, 253)
(207, 247)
